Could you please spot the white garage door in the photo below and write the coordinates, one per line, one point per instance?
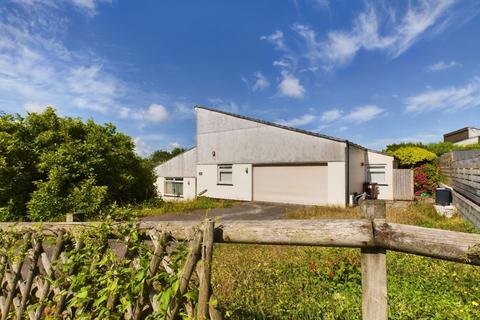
(300, 184)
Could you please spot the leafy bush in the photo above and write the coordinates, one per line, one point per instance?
(411, 156)
(438, 148)
(51, 165)
(426, 178)
(105, 282)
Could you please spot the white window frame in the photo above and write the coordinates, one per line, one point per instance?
(377, 168)
(224, 168)
(174, 180)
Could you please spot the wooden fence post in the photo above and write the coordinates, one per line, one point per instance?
(205, 289)
(75, 217)
(374, 268)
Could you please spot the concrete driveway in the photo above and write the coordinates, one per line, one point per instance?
(240, 211)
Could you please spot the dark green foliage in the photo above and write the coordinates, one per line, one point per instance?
(103, 273)
(438, 148)
(51, 165)
(161, 156)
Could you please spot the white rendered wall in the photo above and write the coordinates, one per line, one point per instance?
(336, 183)
(224, 138)
(468, 141)
(183, 165)
(189, 189)
(385, 190)
(357, 160)
(241, 188)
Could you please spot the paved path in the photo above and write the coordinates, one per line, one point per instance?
(240, 211)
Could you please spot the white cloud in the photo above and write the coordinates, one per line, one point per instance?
(440, 66)
(184, 108)
(363, 114)
(301, 121)
(276, 39)
(36, 66)
(89, 7)
(290, 86)
(449, 99)
(377, 27)
(417, 20)
(156, 113)
(331, 115)
(261, 82)
(34, 107)
(173, 145)
(37, 69)
(289, 58)
(142, 148)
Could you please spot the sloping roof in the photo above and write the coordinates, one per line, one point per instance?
(458, 131)
(273, 124)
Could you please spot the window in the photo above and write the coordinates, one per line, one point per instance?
(376, 173)
(174, 187)
(225, 174)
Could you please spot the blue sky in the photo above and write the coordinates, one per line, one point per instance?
(374, 72)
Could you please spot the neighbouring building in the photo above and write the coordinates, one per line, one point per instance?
(241, 158)
(464, 136)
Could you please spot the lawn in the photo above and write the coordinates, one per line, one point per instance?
(160, 207)
(286, 282)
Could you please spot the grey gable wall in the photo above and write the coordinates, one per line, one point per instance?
(183, 165)
(237, 140)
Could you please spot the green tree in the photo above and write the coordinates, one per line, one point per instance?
(160, 156)
(51, 165)
(411, 156)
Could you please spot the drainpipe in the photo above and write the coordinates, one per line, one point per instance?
(347, 174)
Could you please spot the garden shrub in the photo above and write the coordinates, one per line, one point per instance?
(51, 165)
(102, 273)
(426, 178)
(412, 156)
(438, 148)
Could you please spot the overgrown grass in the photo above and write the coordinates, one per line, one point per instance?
(420, 214)
(281, 282)
(160, 207)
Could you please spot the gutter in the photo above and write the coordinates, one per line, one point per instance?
(347, 173)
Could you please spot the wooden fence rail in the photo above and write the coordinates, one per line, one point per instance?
(371, 233)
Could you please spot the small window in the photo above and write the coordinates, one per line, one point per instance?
(174, 187)
(225, 174)
(376, 173)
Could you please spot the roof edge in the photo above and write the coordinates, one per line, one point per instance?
(178, 155)
(273, 124)
(458, 131)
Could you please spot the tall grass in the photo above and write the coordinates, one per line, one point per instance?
(286, 282)
(160, 207)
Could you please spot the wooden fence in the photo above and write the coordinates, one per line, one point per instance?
(403, 187)
(462, 171)
(372, 234)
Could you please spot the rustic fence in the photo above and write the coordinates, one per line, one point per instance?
(462, 171)
(372, 234)
(403, 187)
